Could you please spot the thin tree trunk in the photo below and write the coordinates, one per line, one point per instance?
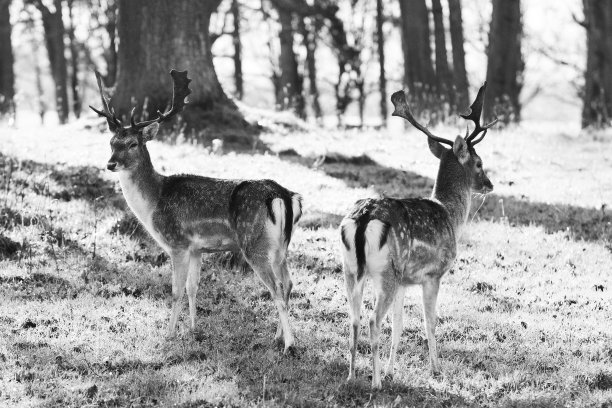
(290, 81)
(310, 43)
(53, 26)
(505, 65)
(7, 75)
(74, 65)
(110, 54)
(382, 78)
(597, 102)
(237, 51)
(443, 75)
(419, 74)
(146, 55)
(462, 97)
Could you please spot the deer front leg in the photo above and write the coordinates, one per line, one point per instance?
(430, 296)
(193, 281)
(285, 277)
(398, 323)
(180, 270)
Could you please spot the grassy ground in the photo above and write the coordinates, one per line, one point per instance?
(525, 314)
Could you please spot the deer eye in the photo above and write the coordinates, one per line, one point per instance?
(133, 145)
(479, 165)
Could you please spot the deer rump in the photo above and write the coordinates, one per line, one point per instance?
(417, 232)
(233, 212)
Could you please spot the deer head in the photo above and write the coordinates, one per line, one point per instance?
(462, 149)
(128, 142)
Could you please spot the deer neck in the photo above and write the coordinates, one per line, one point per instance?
(452, 189)
(141, 188)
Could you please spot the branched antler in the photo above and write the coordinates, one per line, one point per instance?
(474, 116)
(403, 111)
(180, 92)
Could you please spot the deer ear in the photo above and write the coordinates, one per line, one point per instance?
(435, 148)
(150, 131)
(460, 148)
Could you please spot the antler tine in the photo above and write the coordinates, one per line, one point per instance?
(474, 116)
(403, 111)
(180, 91)
(107, 112)
(132, 121)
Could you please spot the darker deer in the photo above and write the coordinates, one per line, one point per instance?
(411, 241)
(189, 215)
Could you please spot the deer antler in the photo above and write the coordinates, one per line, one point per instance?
(113, 121)
(180, 92)
(403, 111)
(474, 116)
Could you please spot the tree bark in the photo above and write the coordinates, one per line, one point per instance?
(7, 75)
(290, 81)
(443, 75)
(382, 78)
(461, 97)
(597, 97)
(157, 36)
(418, 67)
(110, 54)
(505, 65)
(237, 51)
(53, 26)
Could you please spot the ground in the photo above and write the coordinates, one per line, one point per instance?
(525, 313)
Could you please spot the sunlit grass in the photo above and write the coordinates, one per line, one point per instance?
(525, 314)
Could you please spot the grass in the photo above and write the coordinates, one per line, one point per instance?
(525, 313)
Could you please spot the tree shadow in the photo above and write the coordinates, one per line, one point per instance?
(580, 223)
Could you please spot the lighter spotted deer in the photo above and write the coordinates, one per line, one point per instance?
(411, 241)
(189, 215)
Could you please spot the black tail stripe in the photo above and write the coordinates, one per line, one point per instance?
(288, 218)
(362, 223)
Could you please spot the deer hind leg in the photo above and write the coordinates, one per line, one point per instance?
(285, 278)
(193, 281)
(354, 292)
(430, 296)
(398, 323)
(384, 298)
(180, 271)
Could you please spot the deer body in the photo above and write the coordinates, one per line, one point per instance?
(411, 241)
(188, 215)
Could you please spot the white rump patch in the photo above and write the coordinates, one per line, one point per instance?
(348, 227)
(377, 259)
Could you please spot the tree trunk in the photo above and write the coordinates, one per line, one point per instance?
(290, 82)
(505, 65)
(460, 81)
(53, 26)
(443, 75)
(310, 43)
(110, 54)
(418, 67)
(237, 50)
(74, 65)
(7, 75)
(382, 78)
(597, 102)
(157, 36)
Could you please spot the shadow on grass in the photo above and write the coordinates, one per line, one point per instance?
(589, 224)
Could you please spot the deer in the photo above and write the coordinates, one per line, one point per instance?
(398, 242)
(188, 215)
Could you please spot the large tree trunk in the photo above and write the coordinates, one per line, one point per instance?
(597, 103)
(53, 26)
(461, 97)
(382, 78)
(419, 74)
(7, 76)
(505, 66)
(237, 51)
(290, 81)
(110, 54)
(443, 75)
(157, 36)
